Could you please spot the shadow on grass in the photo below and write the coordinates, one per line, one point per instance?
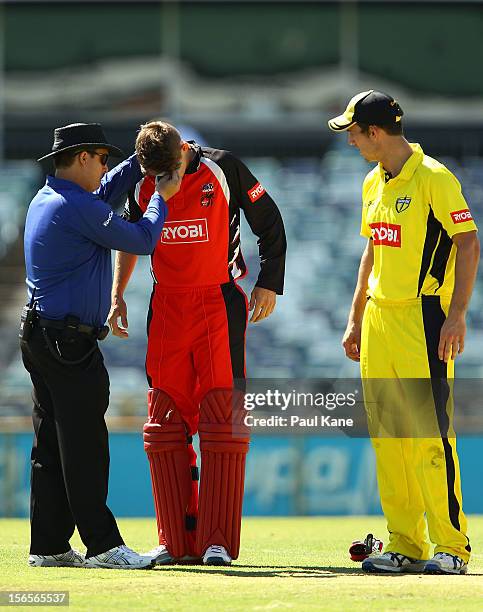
(262, 571)
(296, 571)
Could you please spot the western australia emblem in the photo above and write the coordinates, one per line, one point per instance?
(402, 204)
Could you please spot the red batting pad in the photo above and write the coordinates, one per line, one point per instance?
(224, 440)
(165, 443)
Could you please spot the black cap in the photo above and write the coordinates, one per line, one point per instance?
(370, 107)
(79, 135)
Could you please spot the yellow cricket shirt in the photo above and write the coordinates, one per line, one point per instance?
(411, 219)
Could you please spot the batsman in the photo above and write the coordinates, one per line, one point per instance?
(196, 338)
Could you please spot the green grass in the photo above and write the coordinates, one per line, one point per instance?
(285, 564)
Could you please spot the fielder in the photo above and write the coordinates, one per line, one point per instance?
(196, 338)
(407, 321)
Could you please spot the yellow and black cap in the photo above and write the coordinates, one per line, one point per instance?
(369, 107)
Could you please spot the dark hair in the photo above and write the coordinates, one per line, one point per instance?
(66, 158)
(393, 129)
(158, 147)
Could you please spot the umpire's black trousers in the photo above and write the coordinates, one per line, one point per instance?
(70, 453)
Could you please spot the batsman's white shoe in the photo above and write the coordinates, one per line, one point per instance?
(120, 557)
(159, 555)
(392, 563)
(71, 558)
(216, 555)
(444, 563)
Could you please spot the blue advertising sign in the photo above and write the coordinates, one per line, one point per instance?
(284, 476)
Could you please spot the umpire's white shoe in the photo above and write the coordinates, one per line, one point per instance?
(444, 563)
(392, 563)
(120, 557)
(216, 555)
(71, 558)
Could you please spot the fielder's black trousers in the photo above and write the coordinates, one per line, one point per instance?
(70, 453)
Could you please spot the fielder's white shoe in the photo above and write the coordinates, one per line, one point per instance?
(392, 563)
(445, 563)
(71, 558)
(120, 557)
(216, 555)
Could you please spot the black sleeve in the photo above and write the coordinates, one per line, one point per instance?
(265, 221)
(131, 212)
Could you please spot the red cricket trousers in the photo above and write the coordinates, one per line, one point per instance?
(196, 342)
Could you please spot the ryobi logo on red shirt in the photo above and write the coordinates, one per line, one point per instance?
(460, 216)
(185, 232)
(386, 234)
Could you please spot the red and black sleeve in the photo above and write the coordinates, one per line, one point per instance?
(132, 212)
(262, 215)
(265, 221)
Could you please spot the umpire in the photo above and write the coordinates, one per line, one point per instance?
(69, 233)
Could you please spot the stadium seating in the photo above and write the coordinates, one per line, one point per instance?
(17, 180)
(320, 203)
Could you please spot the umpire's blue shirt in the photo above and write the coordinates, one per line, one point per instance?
(69, 234)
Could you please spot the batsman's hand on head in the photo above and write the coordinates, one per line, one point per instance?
(351, 341)
(167, 185)
(118, 311)
(262, 302)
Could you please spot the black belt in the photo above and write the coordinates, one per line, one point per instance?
(98, 333)
(70, 328)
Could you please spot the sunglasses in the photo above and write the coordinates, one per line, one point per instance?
(103, 157)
